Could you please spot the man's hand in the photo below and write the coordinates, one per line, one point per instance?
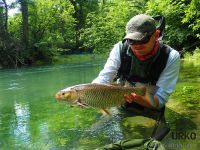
(142, 100)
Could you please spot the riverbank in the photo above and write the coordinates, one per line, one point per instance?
(73, 59)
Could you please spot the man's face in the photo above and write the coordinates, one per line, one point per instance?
(145, 48)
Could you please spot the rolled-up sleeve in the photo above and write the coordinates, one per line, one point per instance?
(168, 78)
(111, 67)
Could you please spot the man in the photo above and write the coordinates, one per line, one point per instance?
(151, 62)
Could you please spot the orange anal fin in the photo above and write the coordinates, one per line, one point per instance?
(105, 111)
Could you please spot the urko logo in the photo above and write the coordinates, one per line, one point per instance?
(184, 135)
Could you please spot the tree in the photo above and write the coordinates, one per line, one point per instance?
(3, 19)
(51, 27)
(107, 26)
(25, 31)
(192, 16)
(82, 8)
(8, 53)
(177, 34)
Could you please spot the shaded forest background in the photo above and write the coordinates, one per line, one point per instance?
(43, 29)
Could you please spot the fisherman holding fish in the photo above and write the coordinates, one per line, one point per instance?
(142, 60)
(145, 60)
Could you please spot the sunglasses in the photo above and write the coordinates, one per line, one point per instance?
(143, 41)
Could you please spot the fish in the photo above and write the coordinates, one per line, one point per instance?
(98, 95)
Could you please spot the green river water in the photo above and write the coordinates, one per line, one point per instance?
(31, 119)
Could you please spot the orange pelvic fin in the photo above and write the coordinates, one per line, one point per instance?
(105, 112)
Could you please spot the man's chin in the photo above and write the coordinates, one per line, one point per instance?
(140, 52)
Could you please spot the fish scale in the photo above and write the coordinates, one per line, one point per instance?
(98, 95)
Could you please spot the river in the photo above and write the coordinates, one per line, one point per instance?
(31, 118)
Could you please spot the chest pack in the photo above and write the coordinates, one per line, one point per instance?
(151, 69)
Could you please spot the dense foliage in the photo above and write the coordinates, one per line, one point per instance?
(107, 26)
(43, 29)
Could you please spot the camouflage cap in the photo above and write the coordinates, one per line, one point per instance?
(139, 27)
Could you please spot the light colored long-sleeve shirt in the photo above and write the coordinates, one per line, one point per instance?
(166, 82)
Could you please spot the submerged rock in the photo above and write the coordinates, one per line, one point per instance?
(138, 127)
(138, 121)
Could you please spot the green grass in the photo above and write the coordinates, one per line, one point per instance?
(193, 57)
(188, 95)
(76, 58)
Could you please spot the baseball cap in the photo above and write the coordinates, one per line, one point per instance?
(139, 27)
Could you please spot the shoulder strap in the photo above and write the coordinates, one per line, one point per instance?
(164, 50)
(124, 68)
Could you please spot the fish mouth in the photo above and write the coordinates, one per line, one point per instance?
(58, 96)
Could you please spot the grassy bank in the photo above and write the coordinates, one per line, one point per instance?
(192, 57)
(187, 92)
(73, 59)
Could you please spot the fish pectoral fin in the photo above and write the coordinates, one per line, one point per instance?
(82, 105)
(105, 111)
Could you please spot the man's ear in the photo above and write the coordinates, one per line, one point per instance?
(156, 34)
